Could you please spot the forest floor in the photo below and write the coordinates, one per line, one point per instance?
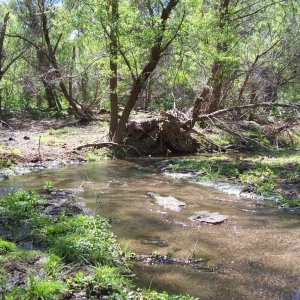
(37, 144)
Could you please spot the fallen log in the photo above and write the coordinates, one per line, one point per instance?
(106, 144)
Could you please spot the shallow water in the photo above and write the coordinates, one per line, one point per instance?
(256, 253)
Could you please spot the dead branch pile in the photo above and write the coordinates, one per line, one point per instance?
(175, 132)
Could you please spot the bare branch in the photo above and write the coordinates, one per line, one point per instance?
(247, 106)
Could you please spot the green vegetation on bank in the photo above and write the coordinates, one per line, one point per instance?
(267, 176)
(74, 257)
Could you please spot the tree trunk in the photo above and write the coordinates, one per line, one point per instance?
(216, 80)
(113, 80)
(71, 71)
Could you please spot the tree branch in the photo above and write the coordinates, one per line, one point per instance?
(247, 106)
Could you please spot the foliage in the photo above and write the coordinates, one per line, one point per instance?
(248, 48)
(20, 211)
(48, 185)
(6, 247)
(261, 179)
(82, 239)
(37, 289)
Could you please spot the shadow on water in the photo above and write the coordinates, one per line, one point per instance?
(256, 252)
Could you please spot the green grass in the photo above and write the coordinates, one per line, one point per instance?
(6, 247)
(82, 239)
(264, 175)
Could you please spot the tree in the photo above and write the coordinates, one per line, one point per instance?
(39, 38)
(7, 59)
(158, 42)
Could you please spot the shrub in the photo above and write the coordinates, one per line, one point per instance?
(6, 247)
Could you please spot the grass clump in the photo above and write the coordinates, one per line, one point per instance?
(38, 289)
(6, 247)
(97, 155)
(82, 239)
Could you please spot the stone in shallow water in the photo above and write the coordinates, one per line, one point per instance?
(208, 217)
(168, 202)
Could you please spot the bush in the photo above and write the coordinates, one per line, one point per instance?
(6, 247)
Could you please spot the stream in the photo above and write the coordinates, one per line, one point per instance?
(255, 254)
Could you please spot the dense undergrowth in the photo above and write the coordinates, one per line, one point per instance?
(266, 176)
(46, 257)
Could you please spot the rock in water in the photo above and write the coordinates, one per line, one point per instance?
(168, 202)
(208, 217)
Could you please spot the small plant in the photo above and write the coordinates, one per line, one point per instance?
(21, 209)
(6, 247)
(39, 289)
(83, 239)
(261, 179)
(53, 265)
(109, 278)
(48, 185)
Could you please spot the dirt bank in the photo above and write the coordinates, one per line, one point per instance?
(36, 144)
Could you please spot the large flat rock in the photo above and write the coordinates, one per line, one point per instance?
(168, 202)
(208, 217)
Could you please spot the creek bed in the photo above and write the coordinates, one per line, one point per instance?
(254, 254)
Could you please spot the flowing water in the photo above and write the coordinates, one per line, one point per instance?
(255, 254)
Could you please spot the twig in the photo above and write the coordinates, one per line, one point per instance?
(5, 123)
(39, 149)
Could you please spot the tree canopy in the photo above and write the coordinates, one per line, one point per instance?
(81, 56)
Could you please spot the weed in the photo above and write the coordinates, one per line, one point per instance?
(39, 289)
(48, 185)
(53, 265)
(20, 213)
(261, 179)
(82, 239)
(6, 247)
(110, 278)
